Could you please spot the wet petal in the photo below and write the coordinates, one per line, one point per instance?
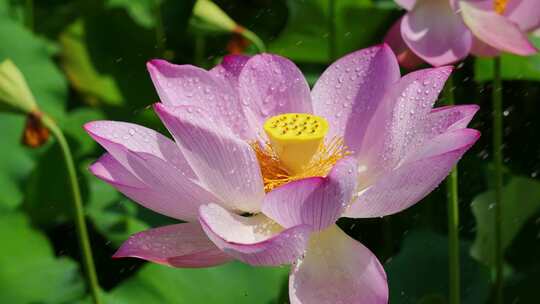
(448, 118)
(225, 164)
(316, 201)
(421, 172)
(189, 85)
(350, 90)
(141, 154)
(337, 269)
(182, 245)
(256, 240)
(157, 197)
(229, 69)
(392, 128)
(270, 85)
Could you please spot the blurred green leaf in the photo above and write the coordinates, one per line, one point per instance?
(419, 273)
(29, 271)
(513, 67)
(76, 62)
(116, 47)
(12, 9)
(230, 283)
(113, 216)
(520, 201)
(142, 11)
(15, 161)
(48, 198)
(32, 56)
(307, 41)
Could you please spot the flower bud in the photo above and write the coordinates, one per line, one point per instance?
(15, 96)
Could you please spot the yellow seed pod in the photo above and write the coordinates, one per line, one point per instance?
(296, 137)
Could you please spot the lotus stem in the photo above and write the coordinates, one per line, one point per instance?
(332, 30)
(80, 223)
(159, 29)
(453, 219)
(498, 160)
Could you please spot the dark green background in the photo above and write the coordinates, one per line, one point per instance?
(85, 60)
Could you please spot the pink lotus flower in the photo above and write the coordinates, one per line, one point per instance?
(441, 32)
(235, 174)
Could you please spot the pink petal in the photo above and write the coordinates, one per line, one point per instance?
(350, 90)
(117, 135)
(435, 123)
(392, 129)
(337, 269)
(406, 4)
(481, 49)
(229, 69)
(315, 201)
(182, 245)
(421, 172)
(255, 240)
(143, 159)
(270, 85)
(496, 30)
(525, 13)
(225, 164)
(458, 140)
(448, 118)
(436, 33)
(405, 56)
(189, 85)
(159, 198)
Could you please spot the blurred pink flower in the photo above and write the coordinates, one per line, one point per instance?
(216, 176)
(441, 32)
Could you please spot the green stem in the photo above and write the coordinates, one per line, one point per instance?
(82, 232)
(160, 31)
(257, 42)
(498, 160)
(453, 236)
(332, 30)
(200, 46)
(453, 219)
(388, 246)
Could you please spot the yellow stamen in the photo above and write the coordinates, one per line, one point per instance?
(295, 138)
(500, 6)
(275, 174)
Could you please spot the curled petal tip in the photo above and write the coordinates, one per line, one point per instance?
(92, 167)
(474, 108)
(449, 67)
(385, 46)
(158, 107)
(155, 62)
(476, 135)
(117, 256)
(89, 127)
